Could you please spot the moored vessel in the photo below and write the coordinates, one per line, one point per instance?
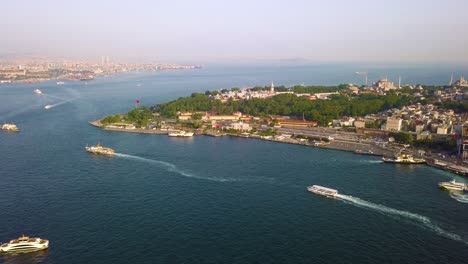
(180, 134)
(453, 186)
(404, 158)
(364, 152)
(25, 243)
(98, 149)
(10, 127)
(320, 190)
(87, 77)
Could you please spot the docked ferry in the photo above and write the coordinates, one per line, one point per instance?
(180, 134)
(10, 127)
(404, 158)
(25, 243)
(453, 186)
(320, 190)
(98, 149)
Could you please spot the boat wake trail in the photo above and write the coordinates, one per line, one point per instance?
(60, 103)
(462, 198)
(413, 218)
(173, 168)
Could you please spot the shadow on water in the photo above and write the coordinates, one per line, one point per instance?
(33, 257)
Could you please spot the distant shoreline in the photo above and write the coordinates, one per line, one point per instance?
(341, 145)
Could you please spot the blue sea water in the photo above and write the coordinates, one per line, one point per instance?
(211, 200)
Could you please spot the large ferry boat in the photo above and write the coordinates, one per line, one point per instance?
(320, 190)
(10, 127)
(404, 158)
(25, 243)
(180, 134)
(453, 186)
(98, 149)
(37, 91)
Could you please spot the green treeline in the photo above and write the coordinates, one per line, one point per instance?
(322, 111)
(140, 116)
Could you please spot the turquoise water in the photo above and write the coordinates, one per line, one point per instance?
(209, 200)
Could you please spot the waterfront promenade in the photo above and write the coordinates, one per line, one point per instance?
(344, 141)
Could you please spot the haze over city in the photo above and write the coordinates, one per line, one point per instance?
(239, 31)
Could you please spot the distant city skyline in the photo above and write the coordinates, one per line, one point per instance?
(239, 31)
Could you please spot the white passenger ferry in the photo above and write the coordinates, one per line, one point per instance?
(453, 186)
(403, 159)
(10, 127)
(25, 243)
(180, 134)
(317, 189)
(98, 149)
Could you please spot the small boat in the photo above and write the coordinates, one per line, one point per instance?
(180, 134)
(47, 106)
(10, 127)
(404, 159)
(25, 243)
(453, 186)
(364, 152)
(60, 83)
(37, 91)
(98, 149)
(320, 190)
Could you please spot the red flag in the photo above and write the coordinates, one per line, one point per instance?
(137, 101)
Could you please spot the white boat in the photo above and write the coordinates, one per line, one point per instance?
(453, 186)
(60, 83)
(48, 106)
(37, 91)
(180, 134)
(10, 127)
(25, 243)
(98, 149)
(320, 190)
(403, 158)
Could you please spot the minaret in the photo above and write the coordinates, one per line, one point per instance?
(272, 88)
(399, 82)
(451, 79)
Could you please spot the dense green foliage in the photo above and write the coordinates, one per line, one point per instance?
(139, 116)
(447, 145)
(111, 119)
(318, 89)
(457, 107)
(402, 137)
(322, 111)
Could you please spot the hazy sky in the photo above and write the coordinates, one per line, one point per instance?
(240, 31)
